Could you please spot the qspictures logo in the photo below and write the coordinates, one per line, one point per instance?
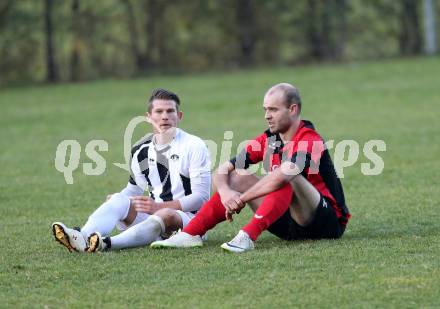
(345, 153)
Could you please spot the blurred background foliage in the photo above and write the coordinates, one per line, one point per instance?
(78, 40)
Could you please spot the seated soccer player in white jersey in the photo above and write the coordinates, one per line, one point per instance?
(172, 165)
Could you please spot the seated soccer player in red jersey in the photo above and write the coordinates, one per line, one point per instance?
(301, 197)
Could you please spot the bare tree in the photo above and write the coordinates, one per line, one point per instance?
(313, 33)
(245, 13)
(75, 52)
(341, 8)
(135, 44)
(51, 67)
(430, 27)
(410, 37)
(326, 29)
(155, 52)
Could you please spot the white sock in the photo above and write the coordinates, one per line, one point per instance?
(141, 234)
(106, 216)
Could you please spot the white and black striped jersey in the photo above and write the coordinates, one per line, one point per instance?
(180, 170)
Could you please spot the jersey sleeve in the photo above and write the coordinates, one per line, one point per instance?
(307, 151)
(132, 190)
(200, 178)
(252, 153)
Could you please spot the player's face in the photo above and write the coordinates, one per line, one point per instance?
(278, 116)
(163, 115)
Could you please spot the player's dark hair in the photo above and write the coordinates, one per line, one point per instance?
(163, 94)
(290, 93)
(292, 97)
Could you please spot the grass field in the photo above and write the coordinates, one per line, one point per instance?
(388, 257)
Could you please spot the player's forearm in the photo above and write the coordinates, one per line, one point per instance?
(171, 204)
(221, 176)
(132, 190)
(193, 202)
(200, 192)
(221, 182)
(264, 186)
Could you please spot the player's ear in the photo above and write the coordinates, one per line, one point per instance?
(294, 109)
(148, 117)
(180, 115)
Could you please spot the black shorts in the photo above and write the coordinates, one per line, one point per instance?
(325, 224)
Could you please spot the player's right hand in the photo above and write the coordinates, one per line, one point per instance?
(227, 195)
(144, 204)
(231, 201)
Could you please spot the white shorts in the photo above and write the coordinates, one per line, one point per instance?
(185, 216)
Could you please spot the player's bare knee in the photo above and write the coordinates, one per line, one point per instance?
(234, 181)
(170, 218)
(131, 215)
(241, 180)
(165, 213)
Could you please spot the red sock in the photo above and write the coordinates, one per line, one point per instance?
(274, 205)
(211, 213)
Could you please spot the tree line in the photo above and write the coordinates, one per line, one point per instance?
(76, 40)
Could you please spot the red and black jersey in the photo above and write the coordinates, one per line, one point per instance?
(307, 150)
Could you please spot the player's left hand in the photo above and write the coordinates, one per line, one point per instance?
(144, 204)
(234, 205)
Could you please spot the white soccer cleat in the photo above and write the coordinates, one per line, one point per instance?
(179, 240)
(72, 239)
(96, 243)
(240, 243)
